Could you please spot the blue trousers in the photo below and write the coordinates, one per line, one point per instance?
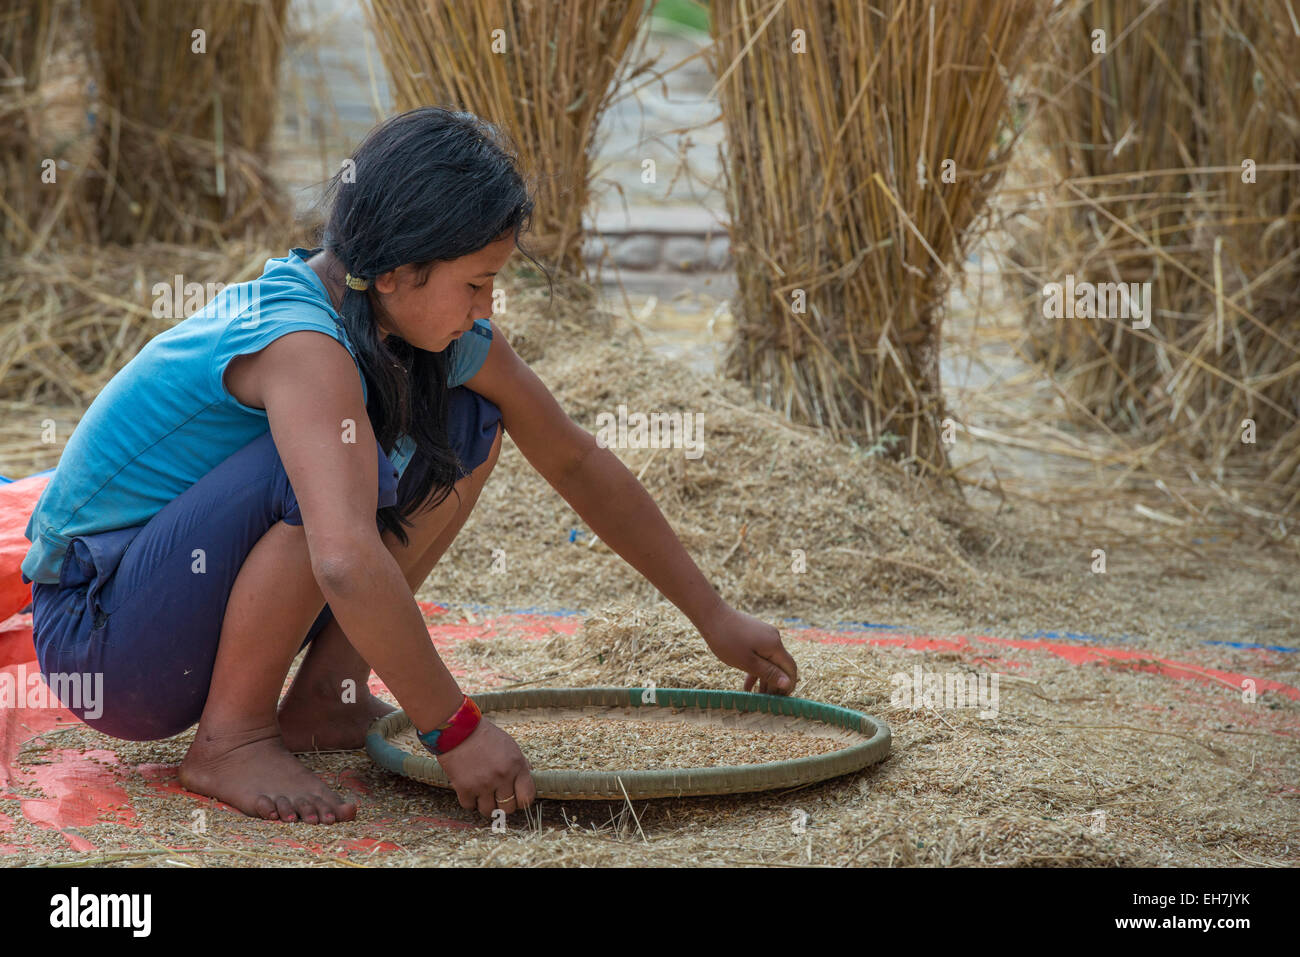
(143, 606)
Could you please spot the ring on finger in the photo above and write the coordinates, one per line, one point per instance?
(502, 800)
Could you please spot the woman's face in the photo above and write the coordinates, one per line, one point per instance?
(434, 315)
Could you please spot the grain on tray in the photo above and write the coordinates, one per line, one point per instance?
(602, 744)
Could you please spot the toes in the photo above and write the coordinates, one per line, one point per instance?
(345, 810)
(332, 808)
(306, 808)
(287, 813)
(264, 807)
(327, 810)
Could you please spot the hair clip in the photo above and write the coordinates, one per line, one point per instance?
(354, 282)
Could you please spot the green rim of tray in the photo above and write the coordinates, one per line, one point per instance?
(677, 782)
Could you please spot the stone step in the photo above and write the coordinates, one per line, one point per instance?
(666, 284)
(656, 220)
(642, 251)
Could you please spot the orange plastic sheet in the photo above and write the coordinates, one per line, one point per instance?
(17, 500)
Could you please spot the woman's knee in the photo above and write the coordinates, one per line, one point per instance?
(133, 707)
(469, 487)
(477, 475)
(490, 462)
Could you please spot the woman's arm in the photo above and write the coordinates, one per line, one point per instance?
(309, 387)
(602, 490)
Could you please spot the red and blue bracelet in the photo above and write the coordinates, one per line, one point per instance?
(457, 728)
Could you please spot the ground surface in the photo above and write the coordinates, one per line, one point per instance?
(1125, 732)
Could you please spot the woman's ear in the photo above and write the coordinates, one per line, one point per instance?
(387, 282)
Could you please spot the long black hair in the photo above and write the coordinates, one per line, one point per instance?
(426, 186)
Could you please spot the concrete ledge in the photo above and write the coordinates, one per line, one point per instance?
(661, 220)
(665, 284)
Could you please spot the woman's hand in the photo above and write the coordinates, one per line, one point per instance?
(489, 771)
(754, 647)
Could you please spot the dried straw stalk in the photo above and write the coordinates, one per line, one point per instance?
(185, 134)
(1149, 140)
(836, 193)
(559, 64)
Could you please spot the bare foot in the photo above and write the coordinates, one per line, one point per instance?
(324, 723)
(255, 773)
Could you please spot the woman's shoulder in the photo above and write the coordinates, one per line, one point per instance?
(285, 299)
(287, 286)
(286, 296)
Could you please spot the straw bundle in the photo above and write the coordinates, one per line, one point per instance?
(36, 190)
(559, 64)
(184, 133)
(1150, 139)
(24, 27)
(837, 194)
(25, 38)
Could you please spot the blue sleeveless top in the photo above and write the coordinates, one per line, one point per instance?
(165, 419)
